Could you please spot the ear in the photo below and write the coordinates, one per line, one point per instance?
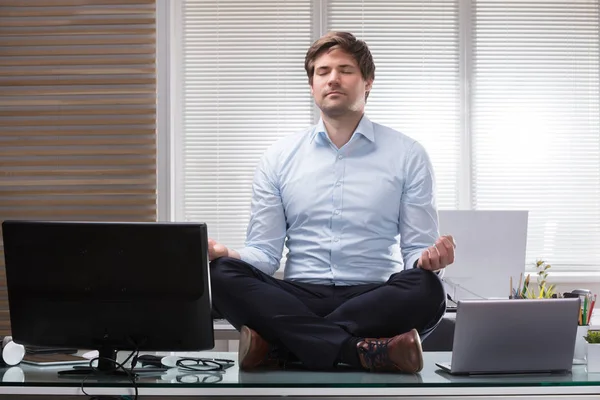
(368, 85)
(312, 92)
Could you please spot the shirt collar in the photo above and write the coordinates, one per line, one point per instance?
(364, 128)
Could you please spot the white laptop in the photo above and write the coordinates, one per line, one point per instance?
(514, 336)
(490, 249)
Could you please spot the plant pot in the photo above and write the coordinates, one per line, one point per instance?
(580, 355)
(593, 357)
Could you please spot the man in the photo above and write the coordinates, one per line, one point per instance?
(356, 202)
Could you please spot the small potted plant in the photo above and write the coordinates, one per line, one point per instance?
(593, 351)
(545, 290)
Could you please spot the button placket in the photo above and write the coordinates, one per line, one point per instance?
(336, 226)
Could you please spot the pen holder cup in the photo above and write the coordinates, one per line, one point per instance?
(580, 355)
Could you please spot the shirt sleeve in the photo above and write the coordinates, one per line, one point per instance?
(266, 232)
(418, 214)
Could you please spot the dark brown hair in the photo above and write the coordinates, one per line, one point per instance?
(346, 42)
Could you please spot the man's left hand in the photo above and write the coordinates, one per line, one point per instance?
(438, 256)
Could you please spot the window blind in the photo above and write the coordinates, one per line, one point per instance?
(536, 122)
(507, 102)
(77, 113)
(243, 86)
(415, 46)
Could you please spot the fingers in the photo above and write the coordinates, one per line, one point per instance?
(438, 256)
(428, 259)
(216, 250)
(435, 258)
(449, 245)
(211, 249)
(220, 249)
(442, 254)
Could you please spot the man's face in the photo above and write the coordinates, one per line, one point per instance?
(338, 86)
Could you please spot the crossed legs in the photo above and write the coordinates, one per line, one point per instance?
(315, 322)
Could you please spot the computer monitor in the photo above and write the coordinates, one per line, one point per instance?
(490, 249)
(109, 286)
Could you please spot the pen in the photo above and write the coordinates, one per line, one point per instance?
(585, 300)
(591, 310)
(510, 293)
(519, 287)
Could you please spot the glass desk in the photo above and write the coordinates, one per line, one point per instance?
(431, 383)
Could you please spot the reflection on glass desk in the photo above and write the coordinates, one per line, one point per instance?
(430, 383)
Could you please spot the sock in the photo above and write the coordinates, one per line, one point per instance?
(349, 353)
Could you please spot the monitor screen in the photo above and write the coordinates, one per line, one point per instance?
(490, 250)
(109, 285)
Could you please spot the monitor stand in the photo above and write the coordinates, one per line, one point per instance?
(107, 366)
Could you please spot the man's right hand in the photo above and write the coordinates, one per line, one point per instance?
(216, 250)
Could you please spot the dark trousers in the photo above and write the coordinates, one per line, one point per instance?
(313, 321)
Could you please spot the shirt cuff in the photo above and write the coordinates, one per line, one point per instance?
(412, 260)
(243, 252)
(257, 259)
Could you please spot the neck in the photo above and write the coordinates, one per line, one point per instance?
(340, 129)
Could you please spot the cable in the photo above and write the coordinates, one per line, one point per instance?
(117, 366)
(456, 285)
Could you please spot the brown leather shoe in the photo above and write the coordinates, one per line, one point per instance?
(402, 353)
(253, 351)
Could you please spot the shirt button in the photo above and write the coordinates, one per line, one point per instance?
(334, 265)
(336, 239)
(338, 183)
(340, 156)
(337, 212)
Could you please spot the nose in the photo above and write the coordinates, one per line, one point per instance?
(334, 77)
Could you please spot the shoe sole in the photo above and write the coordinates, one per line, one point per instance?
(420, 348)
(417, 342)
(244, 346)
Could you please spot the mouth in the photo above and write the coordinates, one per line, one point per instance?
(330, 93)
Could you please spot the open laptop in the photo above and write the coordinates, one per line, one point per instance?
(514, 336)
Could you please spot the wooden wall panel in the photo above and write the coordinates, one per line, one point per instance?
(77, 113)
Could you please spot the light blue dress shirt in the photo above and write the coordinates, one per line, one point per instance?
(351, 215)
